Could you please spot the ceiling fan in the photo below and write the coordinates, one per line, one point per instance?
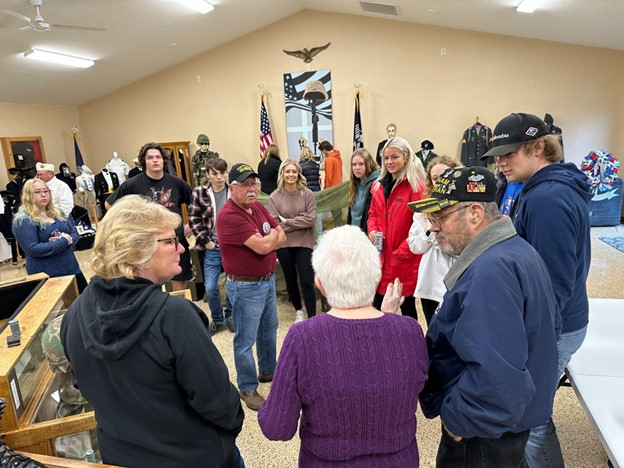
(37, 23)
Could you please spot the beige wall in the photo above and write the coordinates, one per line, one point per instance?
(52, 123)
(404, 80)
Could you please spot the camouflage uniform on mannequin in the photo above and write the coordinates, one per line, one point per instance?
(71, 402)
(199, 160)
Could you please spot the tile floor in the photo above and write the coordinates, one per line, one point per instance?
(581, 447)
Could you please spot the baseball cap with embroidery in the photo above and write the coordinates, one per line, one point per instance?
(514, 130)
(240, 172)
(459, 184)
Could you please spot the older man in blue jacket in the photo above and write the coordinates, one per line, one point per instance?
(493, 341)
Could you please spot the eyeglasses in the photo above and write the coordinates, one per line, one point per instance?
(437, 220)
(170, 241)
(252, 185)
(41, 193)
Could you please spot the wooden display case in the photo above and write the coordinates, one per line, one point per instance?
(179, 153)
(26, 380)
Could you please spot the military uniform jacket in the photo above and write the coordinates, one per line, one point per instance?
(475, 144)
(198, 163)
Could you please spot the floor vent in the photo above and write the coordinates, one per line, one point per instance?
(380, 8)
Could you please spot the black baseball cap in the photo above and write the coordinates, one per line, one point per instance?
(240, 172)
(514, 130)
(459, 184)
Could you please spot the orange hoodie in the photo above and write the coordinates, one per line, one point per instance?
(333, 169)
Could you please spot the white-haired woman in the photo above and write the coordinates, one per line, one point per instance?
(402, 180)
(144, 359)
(294, 207)
(352, 375)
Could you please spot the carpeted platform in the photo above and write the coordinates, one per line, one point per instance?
(615, 242)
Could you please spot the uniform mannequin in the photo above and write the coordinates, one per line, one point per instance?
(67, 176)
(85, 179)
(199, 160)
(391, 131)
(106, 182)
(119, 167)
(136, 170)
(84, 195)
(85, 199)
(426, 153)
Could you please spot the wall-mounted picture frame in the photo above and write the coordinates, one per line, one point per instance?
(308, 103)
(23, 153)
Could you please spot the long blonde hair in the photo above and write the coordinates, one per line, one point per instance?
(29, 207)
(306, 154)
(413, 169)
(301, 180)
(271, 150)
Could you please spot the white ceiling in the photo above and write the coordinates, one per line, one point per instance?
(143, 37)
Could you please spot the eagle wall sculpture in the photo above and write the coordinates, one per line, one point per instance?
(305, 54)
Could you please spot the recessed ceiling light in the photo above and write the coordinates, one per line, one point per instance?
(527, 6)
(201, 6)
(55, 57)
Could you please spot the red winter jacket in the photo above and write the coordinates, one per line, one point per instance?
(394, 219)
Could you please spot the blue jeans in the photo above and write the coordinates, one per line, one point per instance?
(254, 311)
(238, 459)
(212, 270)
(543, 449)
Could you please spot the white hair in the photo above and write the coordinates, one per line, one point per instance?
(347, 263)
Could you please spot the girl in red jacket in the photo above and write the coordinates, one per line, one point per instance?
(402, 180)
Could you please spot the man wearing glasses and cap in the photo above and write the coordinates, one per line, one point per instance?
(493, 341)
(248, 237)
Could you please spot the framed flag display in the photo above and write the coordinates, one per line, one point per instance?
(308, 100)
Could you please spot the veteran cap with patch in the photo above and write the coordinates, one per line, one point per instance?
(514, 130)
(240, 172)
(45, 167)
(460, 184)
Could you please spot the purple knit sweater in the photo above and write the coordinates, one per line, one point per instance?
(356, 384)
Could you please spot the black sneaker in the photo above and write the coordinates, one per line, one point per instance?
(216, 327)
(230, 324)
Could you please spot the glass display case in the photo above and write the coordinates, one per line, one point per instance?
(35, 420)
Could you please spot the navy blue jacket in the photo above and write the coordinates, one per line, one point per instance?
(493, 342)
(553, 216)
(310, 171)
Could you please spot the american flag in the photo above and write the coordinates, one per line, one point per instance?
(266, 137)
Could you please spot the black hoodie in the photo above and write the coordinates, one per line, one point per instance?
(159, 387)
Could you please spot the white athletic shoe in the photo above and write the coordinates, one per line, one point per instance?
(300, 316)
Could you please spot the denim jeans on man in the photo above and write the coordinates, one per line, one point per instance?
(212, 270)
(543, 449)
(254, 311)
(481, 452)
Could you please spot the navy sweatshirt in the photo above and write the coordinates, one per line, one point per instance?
(553, 216)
